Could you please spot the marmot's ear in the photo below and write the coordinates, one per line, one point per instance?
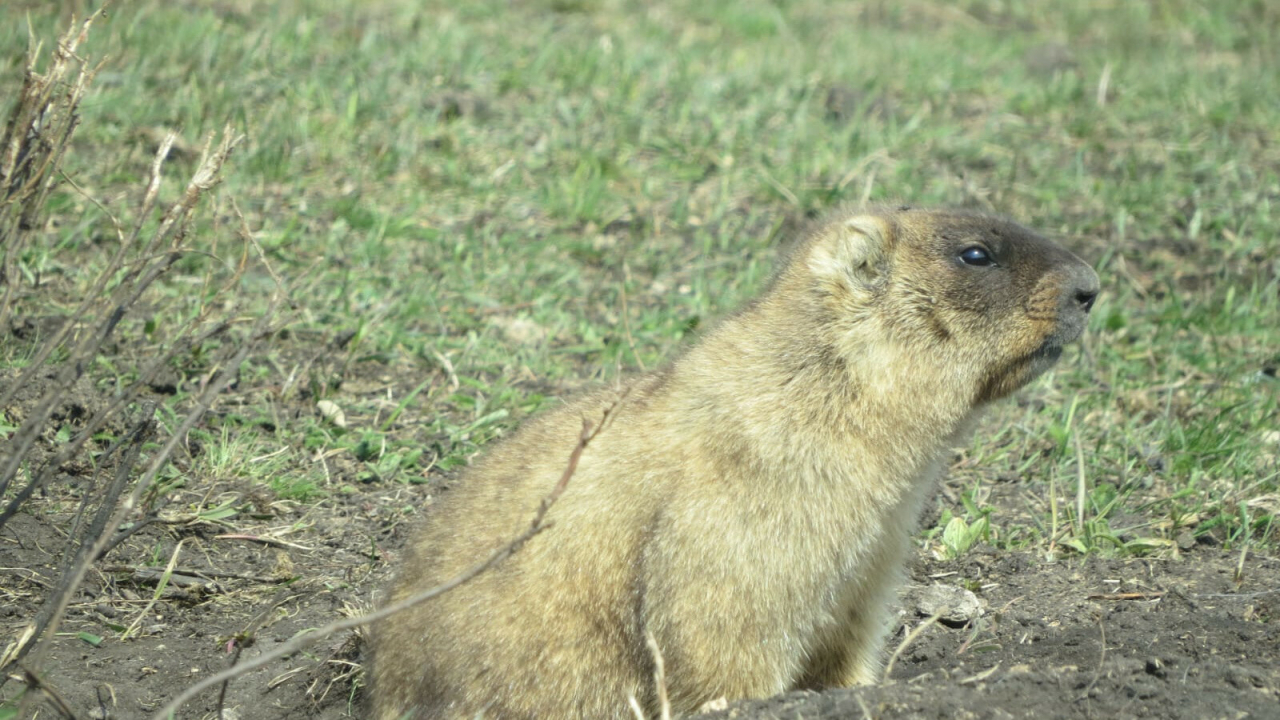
(852, 250)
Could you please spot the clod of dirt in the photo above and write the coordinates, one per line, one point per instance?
(954, 606)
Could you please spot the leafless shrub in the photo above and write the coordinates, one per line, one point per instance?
(34, 143)
(35, 140)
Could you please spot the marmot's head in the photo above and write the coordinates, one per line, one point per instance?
(982, 300)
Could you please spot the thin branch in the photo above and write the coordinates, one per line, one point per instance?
(56, 602)
(146, 573)
(34, 142)
(161, 584)
(35, 682)
(1102, 658)
(125, 296)
(906, 642)
(217, 382)
(300, 641)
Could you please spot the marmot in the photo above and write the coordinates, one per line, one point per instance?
(750, 506)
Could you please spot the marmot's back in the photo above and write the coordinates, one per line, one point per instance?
(749, 507)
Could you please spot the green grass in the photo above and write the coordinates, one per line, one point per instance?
(466, 199)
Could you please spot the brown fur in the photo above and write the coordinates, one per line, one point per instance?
(750, 505)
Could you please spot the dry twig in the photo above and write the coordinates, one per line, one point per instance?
(906, 642)
(536, 525)
(35, 140)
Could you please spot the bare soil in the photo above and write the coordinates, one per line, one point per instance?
(1194, 636)
(1093, 638)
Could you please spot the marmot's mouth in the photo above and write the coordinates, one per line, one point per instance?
(1049, 352)
(1020, 371)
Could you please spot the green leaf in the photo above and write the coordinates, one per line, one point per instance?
(221, 512)
(94, 640)
(1149, 543)
(955, 537)
(1076, 544)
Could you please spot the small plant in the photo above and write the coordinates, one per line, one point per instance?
(956, 535)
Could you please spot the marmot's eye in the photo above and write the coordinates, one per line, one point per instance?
(977, 256)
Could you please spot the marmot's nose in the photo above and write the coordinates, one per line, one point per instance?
(1082, 286)
(1085, 298)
